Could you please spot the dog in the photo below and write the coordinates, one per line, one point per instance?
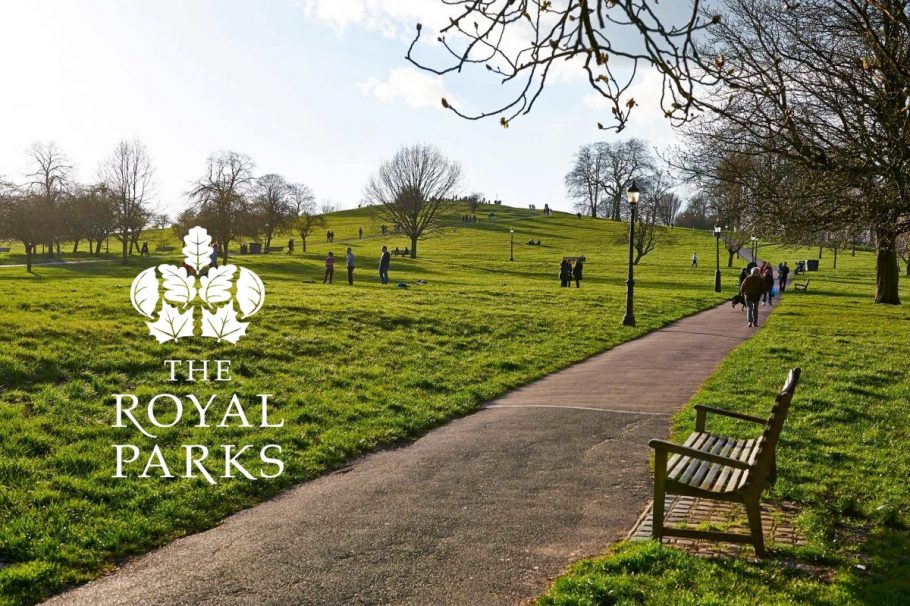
(738, 300)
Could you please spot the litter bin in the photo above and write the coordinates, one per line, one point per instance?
(255, 248)
(812, 264)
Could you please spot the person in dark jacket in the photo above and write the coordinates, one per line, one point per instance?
(565, 273)
(753, 287)
(384, 260)
(782, 272)
(576, 272)
(744, 272)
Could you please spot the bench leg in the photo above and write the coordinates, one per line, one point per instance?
(753, 511)
(657, 510)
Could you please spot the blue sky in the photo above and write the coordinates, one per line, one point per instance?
(316, 90)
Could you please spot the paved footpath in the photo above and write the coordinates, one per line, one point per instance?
(484, 510)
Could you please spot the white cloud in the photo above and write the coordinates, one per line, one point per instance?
(410, 85)
(394, 18)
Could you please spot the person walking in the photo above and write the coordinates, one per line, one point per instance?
(752, 289)
(349, 261)
(782, 272)
(694, 259)
(576, 272)
(767, 274)
(214, 256)
(360, 233)
(565, 273)
(291, 246)
(145, 250)
(384, 259)
(329, 268)
(743, 273)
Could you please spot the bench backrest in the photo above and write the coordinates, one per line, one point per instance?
(764, 456)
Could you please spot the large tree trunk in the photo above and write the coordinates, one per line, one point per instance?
(224, 253)
(98, 248)
(268, 242)
(887, 274)
(730, 254)
(29, 248)
(75, 247)
(126, 243)
(303, 239)
(413, 247)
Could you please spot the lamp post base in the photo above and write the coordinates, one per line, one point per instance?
(717, 281)
(628, 320)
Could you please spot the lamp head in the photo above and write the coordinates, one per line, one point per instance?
(633, 193)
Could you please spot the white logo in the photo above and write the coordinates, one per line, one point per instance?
(175, 317)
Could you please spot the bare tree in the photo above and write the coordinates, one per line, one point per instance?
(88, 213)
(128, 176)
(624, 161)
(327, 207)
(272, 205)
(220, 197)
(23, 217)
(519, 42)
(47, 183)
(584, 181)
(411, 188)
(823, 88)
(303, 207)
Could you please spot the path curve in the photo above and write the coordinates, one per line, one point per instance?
(484, 510)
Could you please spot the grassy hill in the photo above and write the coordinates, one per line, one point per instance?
(352, 369)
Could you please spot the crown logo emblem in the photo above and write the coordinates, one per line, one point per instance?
(197, 283)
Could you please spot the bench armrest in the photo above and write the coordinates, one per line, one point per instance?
(665, 446)
(701, 412)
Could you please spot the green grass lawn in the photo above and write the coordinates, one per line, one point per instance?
(843, 457)
(352, 369)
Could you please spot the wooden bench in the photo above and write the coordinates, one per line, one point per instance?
(165, 249)
(4, 249)
(721, 468)
(801, 287)
(272, 249)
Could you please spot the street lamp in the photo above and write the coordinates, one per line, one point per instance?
(511, 244)
(717, 229)
(754, 249)
(632, 195)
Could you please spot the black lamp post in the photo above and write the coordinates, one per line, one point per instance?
(717, 229)
(632, 195)
(754, 249)
(511, 244)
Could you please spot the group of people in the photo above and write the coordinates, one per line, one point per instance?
(569, 271)
(469, 218)
(756, 286)
(330, 236)
(385, 259)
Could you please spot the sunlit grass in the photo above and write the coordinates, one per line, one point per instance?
(351, 369)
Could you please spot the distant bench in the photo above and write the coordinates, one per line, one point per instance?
(272, 249)
(801, 287)
(165, 249)
(401, 253)
(4, 249)
(720, 468)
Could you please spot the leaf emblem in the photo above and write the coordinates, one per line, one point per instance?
(179, 286)
(144, 293)
(223, 324)
(171, 324)
(198, 249)
(215, 287)
(250, 293)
